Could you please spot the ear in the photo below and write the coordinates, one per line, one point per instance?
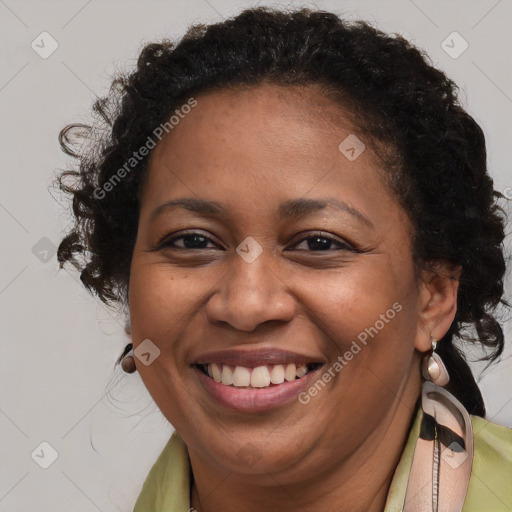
(437, 303)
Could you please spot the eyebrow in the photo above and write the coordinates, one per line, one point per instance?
(293, 208)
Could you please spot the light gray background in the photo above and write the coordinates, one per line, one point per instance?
(58, 345)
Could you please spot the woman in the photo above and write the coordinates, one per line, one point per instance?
(297, 213)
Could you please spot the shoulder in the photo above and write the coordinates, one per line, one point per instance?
(490, 486)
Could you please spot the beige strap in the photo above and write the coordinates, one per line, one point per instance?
(443, 456)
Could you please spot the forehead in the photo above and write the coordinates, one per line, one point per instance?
(266, 143)
(273, 127)
(275, 110)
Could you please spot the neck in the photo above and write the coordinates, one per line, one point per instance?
(359, 482)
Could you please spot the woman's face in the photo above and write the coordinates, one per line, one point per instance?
(264, 244)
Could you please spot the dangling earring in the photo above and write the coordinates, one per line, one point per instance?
(443, 456)
(433, 368)
(127, 360)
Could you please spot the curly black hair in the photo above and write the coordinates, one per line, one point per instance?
(433, 150)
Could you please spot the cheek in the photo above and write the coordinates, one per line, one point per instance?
(348, 303)
(366, 315)
(158, 299)
(372, 293)
(159, 305)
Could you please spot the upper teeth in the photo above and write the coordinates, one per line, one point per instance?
(259, 377)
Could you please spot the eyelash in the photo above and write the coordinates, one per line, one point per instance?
(168, 243)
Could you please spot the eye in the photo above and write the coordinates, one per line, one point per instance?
(199, 241)
(320, 242)
(190, 240)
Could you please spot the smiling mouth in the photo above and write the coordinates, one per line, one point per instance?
(259, 377)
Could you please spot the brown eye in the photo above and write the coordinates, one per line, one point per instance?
(192, 240)
(322, 243)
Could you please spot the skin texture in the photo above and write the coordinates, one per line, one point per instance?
(251, 149)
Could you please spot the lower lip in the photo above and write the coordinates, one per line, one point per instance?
(255, 400)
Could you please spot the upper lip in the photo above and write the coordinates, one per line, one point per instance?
(256, 357)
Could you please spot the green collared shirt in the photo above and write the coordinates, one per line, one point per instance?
(167, 486)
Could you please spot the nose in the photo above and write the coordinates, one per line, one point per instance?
(250, 294)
